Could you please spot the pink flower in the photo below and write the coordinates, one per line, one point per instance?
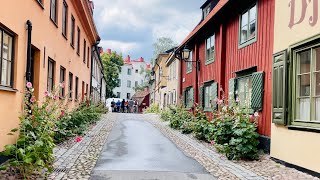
(29, 85)
(78, 138)
(256, 114)
(62, 85)
(33, 99)
(62, 114)
(221, 89)
(220, 101)
(46, 93)
(237, 100)
(55, 97)
(212, 143)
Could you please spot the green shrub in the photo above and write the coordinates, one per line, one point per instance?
(166, 114)
(178, 119)
(153, 108)
(33, 150)
(203, 129)
(236, 132)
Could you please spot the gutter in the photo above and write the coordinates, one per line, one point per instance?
(28, 73)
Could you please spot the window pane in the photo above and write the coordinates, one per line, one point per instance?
(317, 52)
(317, 109)
(253, 13)
(304, 83)
(304, 109)
(4, 73)
(244, 33)
(305, 59)
(244, 19)
(317, 85)
(252, 29)
(208, 44)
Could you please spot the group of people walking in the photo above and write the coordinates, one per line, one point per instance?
(124, 106)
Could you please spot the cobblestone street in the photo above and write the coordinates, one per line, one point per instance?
(132, 146)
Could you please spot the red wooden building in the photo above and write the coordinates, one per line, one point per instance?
(232, 49)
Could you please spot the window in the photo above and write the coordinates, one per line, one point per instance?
(206, 10)
(53, 11)
(307, 83)
(50, 78)
(137, 70)
(78, 42)
(70, 85)
(136, 84)
(6, 59)
(189, 63)
(84, 50)
(72, 30)
(129, 84)
(248, 24)
(87, 90)
(64, 19)
(244, 91)
(76, 96)
(88, 58)
(62, 80)
(189, 97)
(129, 71)
(119, 83)
(82, 90)
(118, 94)
(208, 96)
(210, 43)
(128, 96)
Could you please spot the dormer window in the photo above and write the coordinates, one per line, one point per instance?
(206, 10)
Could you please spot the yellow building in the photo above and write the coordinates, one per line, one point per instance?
(295, 132)
(58, 36)
(173, 85)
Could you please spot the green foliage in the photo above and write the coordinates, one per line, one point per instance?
(153, 108)
(33, 150)
(236, 132)
(203, 129)
(77, 121)
(181, 119)
(166, 114)
(111, 65)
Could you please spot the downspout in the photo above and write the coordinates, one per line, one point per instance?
(28, 73)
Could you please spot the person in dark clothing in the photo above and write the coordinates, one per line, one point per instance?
(113, 105)
(122, 105)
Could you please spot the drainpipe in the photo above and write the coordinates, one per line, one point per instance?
(28, 73)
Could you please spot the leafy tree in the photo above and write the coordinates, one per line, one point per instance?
(161, 45)
(112, 66)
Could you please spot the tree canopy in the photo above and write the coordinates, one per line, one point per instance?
(161, 45)
(112, 66)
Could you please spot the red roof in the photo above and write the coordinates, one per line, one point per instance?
(214, 11)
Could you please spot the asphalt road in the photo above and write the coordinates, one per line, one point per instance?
(135, 150)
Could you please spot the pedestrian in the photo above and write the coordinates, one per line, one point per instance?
(118, 104)
(136, 106)
(131, 103)
(113, 105)
(122, 105)
(127, 106)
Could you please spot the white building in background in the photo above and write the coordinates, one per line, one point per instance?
(133, 74)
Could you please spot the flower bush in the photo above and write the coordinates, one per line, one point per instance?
(153, 108)
(33, 150)
(233, 131)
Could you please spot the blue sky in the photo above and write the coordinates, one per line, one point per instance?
(131, 26)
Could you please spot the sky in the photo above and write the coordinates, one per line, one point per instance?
(131, 27)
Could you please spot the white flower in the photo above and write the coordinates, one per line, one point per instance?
(32, 89)
(30, 111)
(256, 114)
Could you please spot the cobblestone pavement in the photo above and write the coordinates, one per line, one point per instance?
(76, 160)
(221, 167)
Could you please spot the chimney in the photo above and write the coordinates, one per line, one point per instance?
(109, 51)
(128, 58)
(141, 59)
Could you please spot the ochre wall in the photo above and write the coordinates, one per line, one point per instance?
(45, 35)
(295, 147)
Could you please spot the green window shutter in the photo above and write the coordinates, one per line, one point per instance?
(201, 100)
(232, 87)
(214, 89)
(183, 98)
(257, 91)
(279, 88)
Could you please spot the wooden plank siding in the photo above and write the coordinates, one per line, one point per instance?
(229, 58)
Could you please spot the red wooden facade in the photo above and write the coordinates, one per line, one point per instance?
(229, 57)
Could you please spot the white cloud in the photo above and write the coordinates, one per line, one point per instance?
(120, 47)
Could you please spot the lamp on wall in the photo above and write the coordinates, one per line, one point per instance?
(185, 53)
